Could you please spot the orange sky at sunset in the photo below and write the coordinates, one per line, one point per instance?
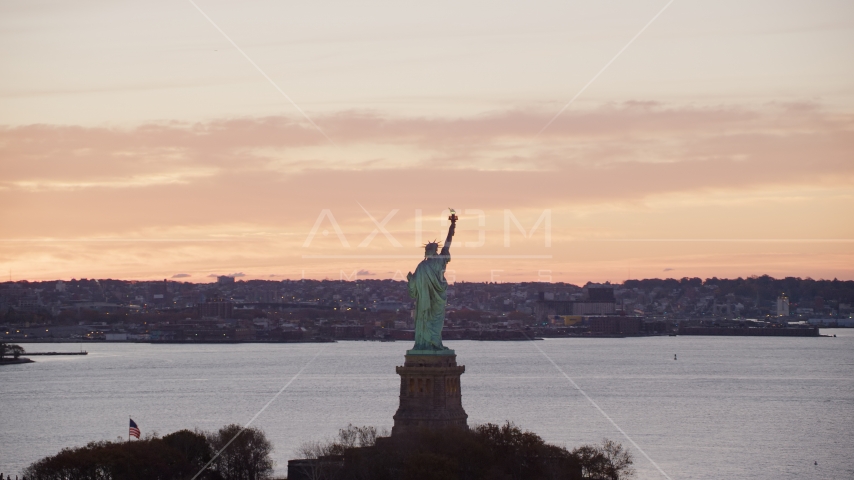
(137, 142)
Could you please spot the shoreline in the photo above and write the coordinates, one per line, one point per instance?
(537, 338)
(16, 361)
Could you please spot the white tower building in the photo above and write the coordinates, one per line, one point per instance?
(783, 306)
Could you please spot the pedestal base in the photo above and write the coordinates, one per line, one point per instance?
(429, 392)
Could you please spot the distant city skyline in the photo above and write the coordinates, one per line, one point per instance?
(139, 142)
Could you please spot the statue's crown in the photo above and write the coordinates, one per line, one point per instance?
(431, 247)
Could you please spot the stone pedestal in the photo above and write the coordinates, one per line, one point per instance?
(429, 392)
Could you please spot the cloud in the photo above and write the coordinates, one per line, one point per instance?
(601, 160)
(181, 275)
(668, 269)
(636, 141)
(225, 170)
(237, 275)
(365, 273)
(212, 275)
(209, 196)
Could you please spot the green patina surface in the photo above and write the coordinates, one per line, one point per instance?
(445, 351)
(428, 287)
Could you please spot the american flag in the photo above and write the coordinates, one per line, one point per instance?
(134, 430)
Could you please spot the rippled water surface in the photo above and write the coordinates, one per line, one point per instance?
(729, 407)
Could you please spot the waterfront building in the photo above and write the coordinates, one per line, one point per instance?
(783, 306)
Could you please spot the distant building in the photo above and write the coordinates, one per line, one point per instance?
(390, 306)
(601, 295)
(615, 325)
(343, 331)
(593, 308)
(216, 307)
(158, 293)
(225, 280)
(782, 306)
(832, 322)
(98, 306)
(600, 301)
(244, 333)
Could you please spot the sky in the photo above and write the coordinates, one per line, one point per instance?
(577, 141)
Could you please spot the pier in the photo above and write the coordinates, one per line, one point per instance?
(57, 353)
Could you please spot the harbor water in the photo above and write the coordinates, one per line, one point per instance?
(728, 407)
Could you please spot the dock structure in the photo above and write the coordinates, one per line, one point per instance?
(29, 354)
(751, 331)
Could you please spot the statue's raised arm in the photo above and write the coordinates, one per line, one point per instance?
(446, 249)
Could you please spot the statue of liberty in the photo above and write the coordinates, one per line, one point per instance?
(428, 286)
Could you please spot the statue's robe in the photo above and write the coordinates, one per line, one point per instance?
(428, 286)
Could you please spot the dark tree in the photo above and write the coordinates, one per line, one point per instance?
(193, 446)
(145, 459)
(10, 349)
(494, 452)
(241, 454)
(177, 456)
(608, 462)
